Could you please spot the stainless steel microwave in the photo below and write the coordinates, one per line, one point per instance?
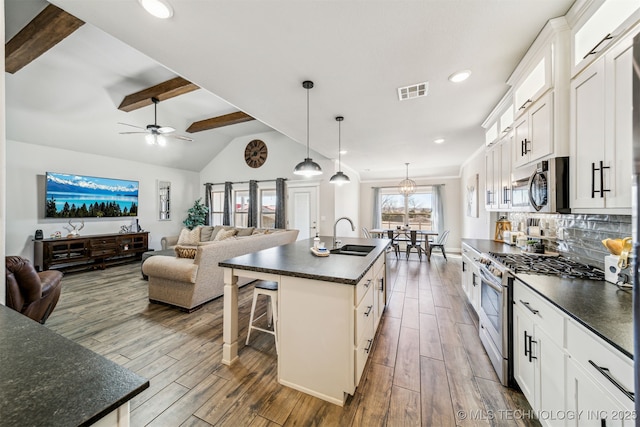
(543, 187)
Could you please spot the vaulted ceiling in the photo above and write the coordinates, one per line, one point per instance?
(252, 56)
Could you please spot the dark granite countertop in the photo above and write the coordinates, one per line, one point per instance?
(295, 259)
(600, 306)
(48, 380)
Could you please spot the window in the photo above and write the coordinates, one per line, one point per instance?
(267, 209)
(241, 208)
(398, 210)
(217, 207)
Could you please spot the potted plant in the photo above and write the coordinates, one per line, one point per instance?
(196, 215)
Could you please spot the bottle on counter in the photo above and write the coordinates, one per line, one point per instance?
(316, 241)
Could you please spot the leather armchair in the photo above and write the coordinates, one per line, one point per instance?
(31, 293)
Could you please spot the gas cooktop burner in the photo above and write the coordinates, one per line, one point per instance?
(547, 265)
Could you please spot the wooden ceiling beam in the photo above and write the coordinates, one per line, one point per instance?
(165, 90)
(46, 30)
(220, 121)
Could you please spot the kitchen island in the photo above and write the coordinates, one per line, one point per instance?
(48, 380)
(328, 312)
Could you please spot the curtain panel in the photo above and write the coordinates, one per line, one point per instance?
(377, 216)
(254, 206)
(437, 213)
(280, 221)
(226, 212)
(207, 202)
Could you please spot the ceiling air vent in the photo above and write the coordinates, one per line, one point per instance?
(414, 91)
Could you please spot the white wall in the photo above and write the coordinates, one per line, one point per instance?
(480, 227)
(26, 167)
(283, 155)
(452, 207)
(347, 203)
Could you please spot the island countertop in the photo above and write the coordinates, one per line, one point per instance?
(48, 380)
(296, 259)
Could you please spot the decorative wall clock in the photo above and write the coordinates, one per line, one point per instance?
(256, 153)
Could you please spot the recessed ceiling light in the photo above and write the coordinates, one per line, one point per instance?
(158, 8)
(460, 76)
(439, 140)
(343, 152)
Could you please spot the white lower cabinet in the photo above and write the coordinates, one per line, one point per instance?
(326, 332)
(470, 279)
(570, 376)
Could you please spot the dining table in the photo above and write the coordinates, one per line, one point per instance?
(404, 235)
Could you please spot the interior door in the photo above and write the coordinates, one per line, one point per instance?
(303, 211)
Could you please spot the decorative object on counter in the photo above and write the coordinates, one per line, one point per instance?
(407, 186)
(316, 241)
(56, 235)
(320, 251)
(616, 265)
(307, 167)
(39, 235)
(125, 229)
(502, 225)
(472, 196)
(196, 215)
(73, 231)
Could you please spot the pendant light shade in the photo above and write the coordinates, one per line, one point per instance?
(407, 186)
(307, 167)
(339, 178)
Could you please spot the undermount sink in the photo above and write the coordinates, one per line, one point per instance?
(357, 250)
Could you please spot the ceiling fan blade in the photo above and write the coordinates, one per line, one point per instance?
(129, 133)
(166, 129)
(183, 138)
(133, 126)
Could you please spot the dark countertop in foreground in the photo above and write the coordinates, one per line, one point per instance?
(48, 380)
(295, 259)
(600, 306)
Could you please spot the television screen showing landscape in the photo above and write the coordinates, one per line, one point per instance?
(78, 196)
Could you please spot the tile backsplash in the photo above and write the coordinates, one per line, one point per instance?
(576, 236)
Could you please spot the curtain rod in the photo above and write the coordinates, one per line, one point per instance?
(242, 182)
(417, 186)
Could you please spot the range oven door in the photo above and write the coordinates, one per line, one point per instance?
(494, 323)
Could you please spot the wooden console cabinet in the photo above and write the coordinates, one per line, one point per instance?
(89, 252)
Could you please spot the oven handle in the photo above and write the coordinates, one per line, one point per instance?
(490, 279)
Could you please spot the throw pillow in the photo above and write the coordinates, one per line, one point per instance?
(189, 237)
(185, 252)
(217, 229)
(224, 235)
(245, 231)
(205, 233)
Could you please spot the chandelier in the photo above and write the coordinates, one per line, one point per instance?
(407, 186)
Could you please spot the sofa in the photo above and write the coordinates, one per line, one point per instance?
(191, 277)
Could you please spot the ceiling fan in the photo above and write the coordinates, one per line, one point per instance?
(154, 133)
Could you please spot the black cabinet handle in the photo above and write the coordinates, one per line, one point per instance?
(602, 168)
(381, 289)
(526, 340)
(366, 285)
(593, 51)
(474, 279)
(368, 348)
(528, 306)
(593, 180)
(464, 264)
(607, 374)
(368, 312)
(505, 195)
(523, 106)
(531, 341)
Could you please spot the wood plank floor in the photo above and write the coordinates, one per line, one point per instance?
(427, 367)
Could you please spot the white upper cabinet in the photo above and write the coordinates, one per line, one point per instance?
(599, 23)
(541, 97)
(491, 134)
(601, 132)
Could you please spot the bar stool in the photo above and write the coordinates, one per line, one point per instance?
(269, 289)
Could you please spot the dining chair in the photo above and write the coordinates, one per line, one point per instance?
(394, 243)
(366, 233)
(414, 243)
(440, 242)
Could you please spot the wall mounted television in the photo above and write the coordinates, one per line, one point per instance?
(80, 196)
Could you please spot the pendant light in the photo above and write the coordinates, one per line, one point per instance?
(339, 178)
(307, 167)
(407, 186)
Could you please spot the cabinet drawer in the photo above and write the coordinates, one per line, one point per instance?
(364, 316)
(542, 312)
(104, 243)
(362, 352)
(363, 287)
(592, 353)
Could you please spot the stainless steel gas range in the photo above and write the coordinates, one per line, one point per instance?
(496, 296)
